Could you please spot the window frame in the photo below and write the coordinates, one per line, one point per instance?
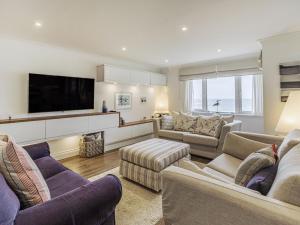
(238, 97)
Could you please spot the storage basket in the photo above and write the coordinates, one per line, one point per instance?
(91, 145)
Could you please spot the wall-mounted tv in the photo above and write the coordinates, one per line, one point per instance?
(48, 93)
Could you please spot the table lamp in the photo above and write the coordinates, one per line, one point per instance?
(290, 116)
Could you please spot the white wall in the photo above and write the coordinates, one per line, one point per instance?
(19, 57)
(278, 49)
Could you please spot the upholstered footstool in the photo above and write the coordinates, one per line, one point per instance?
(143, 162)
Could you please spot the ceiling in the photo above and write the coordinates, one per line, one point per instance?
(151, 29)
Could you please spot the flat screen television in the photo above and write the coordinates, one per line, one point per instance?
(49, 93)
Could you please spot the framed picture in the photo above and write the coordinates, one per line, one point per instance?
(123, 100)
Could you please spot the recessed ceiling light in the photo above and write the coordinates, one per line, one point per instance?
(184, 28)
(166, 60)
(38, 24)
(219, 50)
(124, 49)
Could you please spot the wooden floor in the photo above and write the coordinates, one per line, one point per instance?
(89, 167)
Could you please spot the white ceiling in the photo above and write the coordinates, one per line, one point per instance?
(151, 29)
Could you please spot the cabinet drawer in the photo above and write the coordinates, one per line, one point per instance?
(142, 129)
(25, 131)
(117, 134)
(66, 127)
(98, 123)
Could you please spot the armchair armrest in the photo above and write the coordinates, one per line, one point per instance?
(265, 138)
(90, 204)
(236, 125)
(156, 126)
(37, 151)
(203, 200)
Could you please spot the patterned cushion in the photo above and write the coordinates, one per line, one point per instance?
(167, 122)
(22, 174)
(185, 122)
(209, 125)
(252, 164)
(155, 154)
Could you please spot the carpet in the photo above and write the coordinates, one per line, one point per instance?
(139, 205)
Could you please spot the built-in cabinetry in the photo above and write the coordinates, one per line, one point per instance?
(46, 128)
(113, 74)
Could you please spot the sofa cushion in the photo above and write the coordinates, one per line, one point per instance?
(49, 166)
(252, 164)
(200, 139)
(290, 140)
(262, 181)
(225, 164)
(241, 147)
(64, 182)
(167, 122)
(171, 134)
(218, 175)
(286, 185)
(184, 122)
(209, 125)
(9, 203)
(37, 151)
(23, 175)
(228, 118)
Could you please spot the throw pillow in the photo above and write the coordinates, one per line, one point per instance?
(209, 125)
(188, 122)
(287, 145)
(240, 147)
(228, 119)
(22, 175)
(167, 122)
(252, 164)
(262, 181)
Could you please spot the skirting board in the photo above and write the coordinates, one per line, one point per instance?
(74, 152)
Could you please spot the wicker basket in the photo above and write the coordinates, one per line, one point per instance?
(90, 148)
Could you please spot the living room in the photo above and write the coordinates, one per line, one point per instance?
(149, 112)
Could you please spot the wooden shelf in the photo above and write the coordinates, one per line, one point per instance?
(39, 118)
(133, 123)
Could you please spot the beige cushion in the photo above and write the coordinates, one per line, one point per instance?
(292, 139)
(241, 147)
(286, 185)
(252, 164)
(209, 125)
(219, 176)
(228, 119)
(184, 122)
(200, 139)
(171, 134)
(225, 164)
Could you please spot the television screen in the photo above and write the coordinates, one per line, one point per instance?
(49, 93)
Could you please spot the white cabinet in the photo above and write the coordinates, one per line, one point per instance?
(140, 77)
(66, 127)
(25, 131)
(158, 79)
(113, 74)
(114, 135)
(98, 123)
(142, 129)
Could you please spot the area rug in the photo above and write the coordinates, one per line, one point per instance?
(138, 206)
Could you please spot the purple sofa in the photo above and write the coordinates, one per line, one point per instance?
(74, 200)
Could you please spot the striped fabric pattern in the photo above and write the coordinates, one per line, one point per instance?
(22, 174)
(167, 122)
(155, 154)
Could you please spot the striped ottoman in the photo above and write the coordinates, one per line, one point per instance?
(143, 162)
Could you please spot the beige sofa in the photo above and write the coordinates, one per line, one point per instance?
(201, 145)
(208, 196)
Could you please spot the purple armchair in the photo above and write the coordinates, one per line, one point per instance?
(74, 200)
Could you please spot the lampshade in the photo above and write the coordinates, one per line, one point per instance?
(290, 116)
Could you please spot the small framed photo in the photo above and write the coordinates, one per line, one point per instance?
(123, 100)
(143, 99)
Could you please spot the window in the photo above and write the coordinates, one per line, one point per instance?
(221, 94)
(197, 103)
(226, 94)
(247, 93)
